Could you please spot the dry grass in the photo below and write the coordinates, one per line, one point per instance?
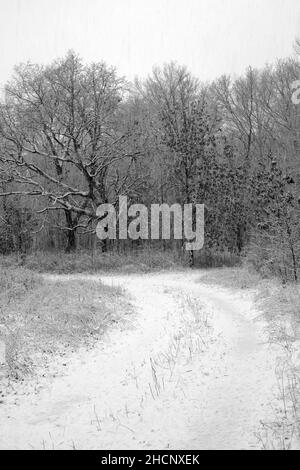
(212, 258)
(233, 278)
(136, 260)
(87, 261)
(39, 319)
(189, 343)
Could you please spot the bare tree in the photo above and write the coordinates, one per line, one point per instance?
(63, 138)
(185, 128)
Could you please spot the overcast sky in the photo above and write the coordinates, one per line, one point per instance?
(210, 36)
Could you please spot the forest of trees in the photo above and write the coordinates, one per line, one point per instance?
(73, 136)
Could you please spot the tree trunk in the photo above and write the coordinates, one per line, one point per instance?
(191, 259)
(71, 241)
(70, 233)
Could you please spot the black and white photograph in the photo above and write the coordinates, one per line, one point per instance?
(149, 228)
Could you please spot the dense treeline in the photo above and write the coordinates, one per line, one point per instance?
(74, 136)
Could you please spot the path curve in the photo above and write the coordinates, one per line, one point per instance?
(190, 370)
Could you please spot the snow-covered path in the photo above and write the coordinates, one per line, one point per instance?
(191, 369)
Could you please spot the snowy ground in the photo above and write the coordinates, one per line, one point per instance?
(191, 369)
